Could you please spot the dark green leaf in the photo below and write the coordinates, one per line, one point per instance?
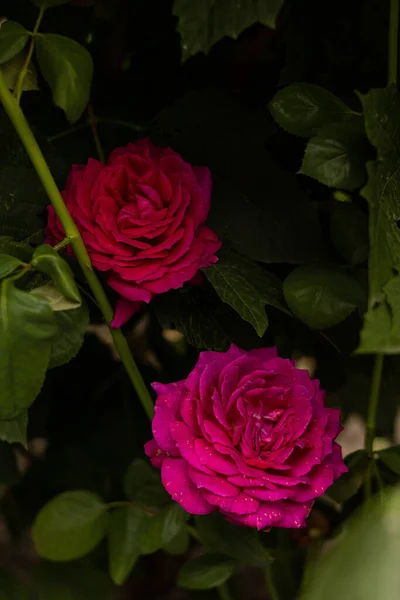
(381, 331)
(391, 458)
(322, 296)
(9, 473)
(14, 431)
(336, 156)
(241, 543)
(21, 250)
(203, 24)
(205, 572)
(257, 206)
(27, 328)
(49, 3)
(74, 581)
(47, 260)
(161, 529)
(12, 68)
(12, 588)
(68, 69)
(13, 38)
(179, 544)
(303, 108)
(124, 541)
(70, 526)
(71, 328)
(246, 287)
(8, 264)
(142, 485)
(362, 564)
(349, 483)
(349, 232)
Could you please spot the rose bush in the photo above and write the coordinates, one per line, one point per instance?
(246, 433)
(141, 217)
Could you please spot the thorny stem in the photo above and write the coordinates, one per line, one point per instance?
(272, 591)
(21, 125)
(393, 41)
(371, 420)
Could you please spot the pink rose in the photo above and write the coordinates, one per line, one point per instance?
(141, 217)
(246, 433)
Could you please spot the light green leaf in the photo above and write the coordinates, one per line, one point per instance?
(179, 544)
(124, 541)
(54, 298)
(71, 328)
(12, 68)
(68, 69)
(246, 287)
(381, 330)
(362, 563)
(202, 24)
(349, 232)
(27, 329)
(336, 156)
(162, 528)
(70, 526)
(391, 458)
(14, 431)
(241, 543)
(303, 108)
(47, 260)
(142, 485)
(8, 264)
(205, 572)
(13, 38)
(322, 295)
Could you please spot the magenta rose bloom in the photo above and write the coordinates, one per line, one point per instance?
(141, 217)
(248, 434)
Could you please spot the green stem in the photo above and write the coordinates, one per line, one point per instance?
(371, 420)
(92, 120)
(121, 124)
(193, 532)
(69, 131)
(269, 580)
(21, 126)
(24, 71)
(223, 592)
(393, 41)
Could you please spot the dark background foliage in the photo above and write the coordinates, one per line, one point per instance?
(213, 110)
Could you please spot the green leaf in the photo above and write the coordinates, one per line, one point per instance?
(205, 572)
(391, 458)
(349, 483)
(322, 296)
(21, 250)
(9, 473)
(241, 543)
(12, 68)
(27, 328)
(68, 69)
(161, 529)
(8, 264)
(70, 526)
(202, 24)
(349, 232)
(246, 287)
(47, 260)
(179, 544)
(54, 298)
(13, 38)
(14, 431)
(303, 108)
(142, 485)
(381, 331)
(71, 328)
(336, 156)
(124, 541)
(49, 3)
(362, 563)
(74, 581)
